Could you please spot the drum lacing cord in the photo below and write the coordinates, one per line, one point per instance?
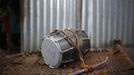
(75, 46)
(82, 62)
(76, 37)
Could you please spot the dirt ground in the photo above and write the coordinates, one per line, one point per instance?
(32, 64)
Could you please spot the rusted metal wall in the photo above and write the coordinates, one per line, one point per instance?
(103, 20)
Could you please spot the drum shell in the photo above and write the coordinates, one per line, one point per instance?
(67, 51)
(84, 41)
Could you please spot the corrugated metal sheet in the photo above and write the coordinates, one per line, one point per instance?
(103, 20)
(43, 16)
(106, 20)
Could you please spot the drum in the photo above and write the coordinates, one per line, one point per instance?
(57, 49)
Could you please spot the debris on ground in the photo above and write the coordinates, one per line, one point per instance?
(118, 63)
(30, 65)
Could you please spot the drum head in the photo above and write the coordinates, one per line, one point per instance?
(51, 52)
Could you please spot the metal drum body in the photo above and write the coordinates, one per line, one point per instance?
(56, 49)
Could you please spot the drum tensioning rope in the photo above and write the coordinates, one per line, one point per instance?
(72, 43)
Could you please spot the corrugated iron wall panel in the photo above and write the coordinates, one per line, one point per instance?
(103, 20)
(43, 16)
(106, 20)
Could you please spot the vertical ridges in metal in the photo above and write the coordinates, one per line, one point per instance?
(38, 24)
(131, 22)
(83, 13)
(104, 20)
(31, 25)
(97, 25)
(24, 26)
(78, 13)
(58, 14)
(103, 24)
(114, 19)
(51, 14)
(90, 20)
(70, 15)
(44, 17)
(109, 22)
(64, 14)
(126, 18)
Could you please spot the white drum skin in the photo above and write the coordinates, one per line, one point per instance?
(51, 52)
